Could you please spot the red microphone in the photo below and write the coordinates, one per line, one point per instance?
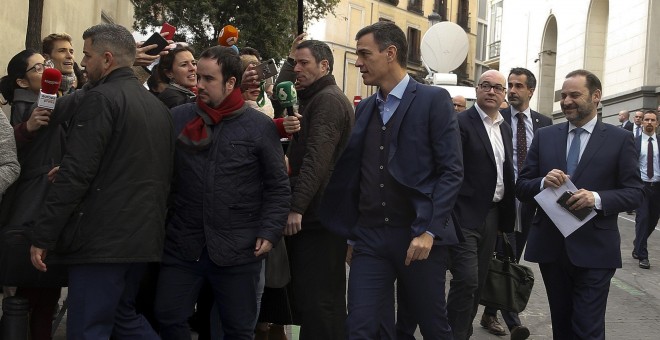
(50, 83)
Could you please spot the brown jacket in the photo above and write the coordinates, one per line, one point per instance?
(328, 118)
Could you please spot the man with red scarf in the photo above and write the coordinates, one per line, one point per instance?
(231, 201)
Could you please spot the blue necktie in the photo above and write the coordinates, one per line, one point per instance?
(574, 152)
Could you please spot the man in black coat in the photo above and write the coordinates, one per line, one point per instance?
(485, 202)
(647, 215)
(104, 214)
(624, 120)
(524, 122)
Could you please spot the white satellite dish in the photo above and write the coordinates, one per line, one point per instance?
(444, 47)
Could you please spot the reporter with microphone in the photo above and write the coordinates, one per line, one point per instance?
(318, 274)
(39, 148)
(40, 116)
(21, 86)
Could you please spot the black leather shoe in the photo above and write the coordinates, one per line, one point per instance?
(644, 264)
(491, 323)
(635, 256)
(519, 333)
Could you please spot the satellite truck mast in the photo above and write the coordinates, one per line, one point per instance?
(444, 48)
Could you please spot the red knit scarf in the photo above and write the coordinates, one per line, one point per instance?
(197, 133)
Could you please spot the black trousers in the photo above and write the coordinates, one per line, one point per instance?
(646, 219)
(469, 261)
(318, 283)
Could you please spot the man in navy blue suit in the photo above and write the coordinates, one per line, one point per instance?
(647, 215)
(524, 122)
(600, 159)
(392, 192)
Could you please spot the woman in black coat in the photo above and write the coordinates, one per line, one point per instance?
(20, 87)
(39, 140)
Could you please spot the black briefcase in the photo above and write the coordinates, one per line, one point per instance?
(508, 284)
(16, 268)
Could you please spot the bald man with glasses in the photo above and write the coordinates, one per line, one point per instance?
(460, 103)
(485, 203)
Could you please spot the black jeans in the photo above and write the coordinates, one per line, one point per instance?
(234, 289)
(318, 283)
(101, 301)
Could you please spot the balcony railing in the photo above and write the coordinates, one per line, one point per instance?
(494, 50)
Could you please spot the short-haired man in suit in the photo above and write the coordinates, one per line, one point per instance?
(485, 203)
(392, 191)
(601, 160)
(524, 122)
(624, 119)
(460, 103)
(649, 167)
(638, 118)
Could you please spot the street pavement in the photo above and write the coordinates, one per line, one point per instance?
(633, 309)
(633, 306)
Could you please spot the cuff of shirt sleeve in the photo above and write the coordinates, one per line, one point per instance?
(430, 233)
(597, 203)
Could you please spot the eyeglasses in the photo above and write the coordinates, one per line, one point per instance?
(497, 87)
(39, 67)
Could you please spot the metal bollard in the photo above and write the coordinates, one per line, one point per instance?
(15, 318)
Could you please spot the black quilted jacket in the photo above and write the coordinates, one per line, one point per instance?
(231, 193)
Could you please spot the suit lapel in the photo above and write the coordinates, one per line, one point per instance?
(401, 111)
(363, 115)
(535, 121)
(507, 139)
(596, 141)
(560, 145)
(506, 114)
(478, 126)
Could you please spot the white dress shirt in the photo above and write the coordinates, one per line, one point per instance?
(495, 137)
(642, 158)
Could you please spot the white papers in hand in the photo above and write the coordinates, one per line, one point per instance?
(564, 220)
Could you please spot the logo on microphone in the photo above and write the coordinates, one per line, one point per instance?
(283, 95)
